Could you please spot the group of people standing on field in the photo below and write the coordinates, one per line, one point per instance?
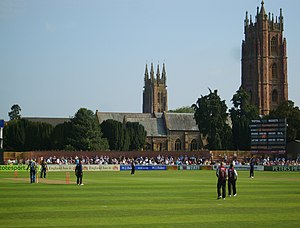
(33, 169)
(223, 174)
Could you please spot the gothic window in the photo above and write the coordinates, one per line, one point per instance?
(275, 96)
(274, 46)
(177, 144)
(158, 98)
(160, 147)
(274, 71)
(148, 146)
(194, 145)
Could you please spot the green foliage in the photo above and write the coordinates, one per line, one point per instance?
(137, 135)
(23, 135)
(291, 112)
(59, 136)
(184, 109)
(130, 136)
(85, 132)
(14, 114)
(241, 115)
(114, 132)
(211, 118)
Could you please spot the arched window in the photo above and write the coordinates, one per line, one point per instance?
(148, 146)
(158, 98)
(274, 71)
(160, 147)
(274, 46)
(194, 145)
(177, 144)
(275, 96)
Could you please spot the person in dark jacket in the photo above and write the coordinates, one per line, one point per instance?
(43, 168)
(252, 163)
(132, 167)
(79, 173)
(232, 177)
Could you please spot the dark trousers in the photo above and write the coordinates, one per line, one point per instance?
(132, 170)
(251, 171)
(221, 185)
(43, 173)
(32, 176)
(231, 186)
(79, 179)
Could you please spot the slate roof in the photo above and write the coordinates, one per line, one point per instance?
(49, 120)
(118, 116)
(180, 122)
(153, 126)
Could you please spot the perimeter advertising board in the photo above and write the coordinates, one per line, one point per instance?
(268, 135)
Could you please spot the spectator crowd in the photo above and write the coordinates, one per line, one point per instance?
(161, 160)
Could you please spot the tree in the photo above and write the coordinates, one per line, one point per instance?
(114, 132)
(14, 114)
(59, 136)
(86, 132)
(123, 137)
(211, 118)
(14, 134)
(291, 112)
(137, 135)
(241, 115)
(24, 135)
(184, 109)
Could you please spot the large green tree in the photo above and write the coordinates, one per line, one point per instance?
(86, 132)
(137, 135)
(211, 117)
(123, 137)
(24, 135)
(14, 114)
(115, 133)
(291, 112)
(241, 115)
(59, 136)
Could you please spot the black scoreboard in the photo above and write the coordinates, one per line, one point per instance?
(268, 135)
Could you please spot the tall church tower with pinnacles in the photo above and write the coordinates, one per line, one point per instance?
(264, 60)
(155, 97)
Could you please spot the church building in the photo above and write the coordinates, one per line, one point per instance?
(264, 60)
(166, 131)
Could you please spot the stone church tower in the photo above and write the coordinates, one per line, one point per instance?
(264, 60)
(155, 97)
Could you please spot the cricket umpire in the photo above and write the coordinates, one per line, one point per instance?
(79, 173)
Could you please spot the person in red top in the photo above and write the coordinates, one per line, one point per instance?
(232, 177)
(222, 177)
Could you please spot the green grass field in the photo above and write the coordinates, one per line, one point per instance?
(149, 199)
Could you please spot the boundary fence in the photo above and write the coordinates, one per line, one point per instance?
(53, 168)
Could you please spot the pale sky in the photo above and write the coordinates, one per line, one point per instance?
(60, 55)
